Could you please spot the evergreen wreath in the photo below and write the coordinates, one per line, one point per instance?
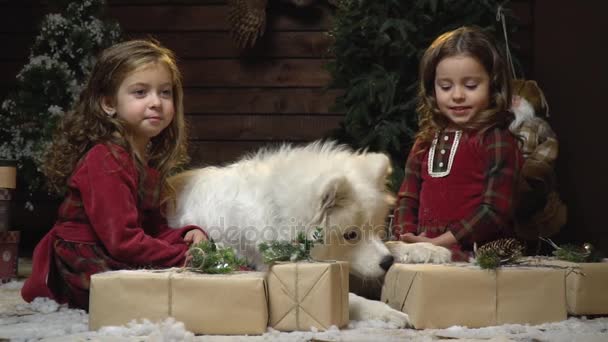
(377, 48)
(60, 60)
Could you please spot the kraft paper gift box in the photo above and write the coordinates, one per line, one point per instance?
(586, 286)
(440, 296)
(230, 304)
(303, 295)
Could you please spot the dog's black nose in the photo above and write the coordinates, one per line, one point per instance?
(387, 262)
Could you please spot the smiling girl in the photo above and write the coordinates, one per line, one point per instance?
(461, 172)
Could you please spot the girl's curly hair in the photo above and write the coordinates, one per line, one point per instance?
(87, 124)
(473, 42)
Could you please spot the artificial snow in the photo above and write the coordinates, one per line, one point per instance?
(45, 320)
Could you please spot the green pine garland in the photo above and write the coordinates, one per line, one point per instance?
(296, 250)
(207, 257)
(572, 253)
(575, 253)
(488, 261)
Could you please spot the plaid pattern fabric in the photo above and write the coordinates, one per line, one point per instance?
(493, 215)
(103, 224)
(76, 262)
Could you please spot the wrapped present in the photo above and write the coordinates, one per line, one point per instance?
(226, 304)
(305, 295)
(586, 285)
(440, 296)
(9, 255)
(8, 174)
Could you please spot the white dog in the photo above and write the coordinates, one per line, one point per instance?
(274, 194)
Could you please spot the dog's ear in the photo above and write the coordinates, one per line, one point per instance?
(378, 166)
(336, 192)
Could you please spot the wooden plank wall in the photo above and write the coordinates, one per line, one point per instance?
(235, 101)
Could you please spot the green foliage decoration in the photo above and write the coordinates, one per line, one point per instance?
(575, 253)
(377, 48)
(296, 250)
(60, 60)
(207, 257)
(498, 253)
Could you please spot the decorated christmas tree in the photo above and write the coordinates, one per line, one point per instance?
(60, 59)
(378, 45)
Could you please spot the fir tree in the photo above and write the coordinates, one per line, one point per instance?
(60, 60)
(378, 46)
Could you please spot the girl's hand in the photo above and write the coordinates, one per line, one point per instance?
(411, 238)
(194, 236)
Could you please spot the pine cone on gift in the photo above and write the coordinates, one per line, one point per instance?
(248, 20)
(499, 252)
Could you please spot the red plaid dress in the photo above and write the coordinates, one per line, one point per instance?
(474, 199)
(103, 225)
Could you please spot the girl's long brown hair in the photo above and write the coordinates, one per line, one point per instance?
(473, 42)
(87, 124)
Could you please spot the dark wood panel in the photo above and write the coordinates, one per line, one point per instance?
(261, 127)
(205, 153)
(260, 101)
(160, 2)
(229, 73)
(211, 44)
(16, 45)
(155, 18)
(255, 73)
(21, 19)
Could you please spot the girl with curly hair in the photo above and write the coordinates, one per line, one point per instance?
(461, 173)
(111, 157)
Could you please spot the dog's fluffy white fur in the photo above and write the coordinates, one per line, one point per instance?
(276, 193)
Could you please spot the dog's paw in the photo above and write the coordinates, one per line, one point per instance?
(394, 317)
(419, 253)
(362, 309)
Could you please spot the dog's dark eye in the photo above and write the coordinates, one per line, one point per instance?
(351, 235)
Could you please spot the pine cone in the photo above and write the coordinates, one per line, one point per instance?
(248, 20)
(505, 249)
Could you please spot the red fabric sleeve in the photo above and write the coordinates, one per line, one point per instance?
(406, 212)
(108, 185)
(156, 225)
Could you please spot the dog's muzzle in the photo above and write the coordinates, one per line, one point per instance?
(387, 262)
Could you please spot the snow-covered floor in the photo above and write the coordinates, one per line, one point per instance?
(44, 320)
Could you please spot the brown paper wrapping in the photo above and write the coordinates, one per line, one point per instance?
(440, 296)
(304, 295)
(8, 176)
(586, 286)
(233, 304)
